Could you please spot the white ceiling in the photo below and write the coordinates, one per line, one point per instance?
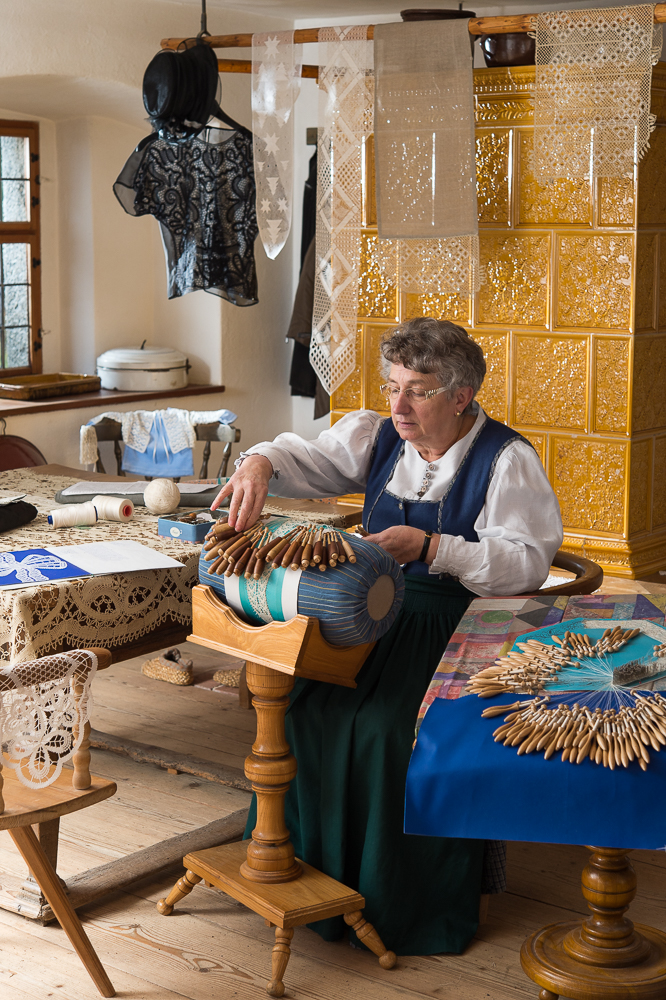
(325, 9)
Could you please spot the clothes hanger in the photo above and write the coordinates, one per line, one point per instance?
(217, 111)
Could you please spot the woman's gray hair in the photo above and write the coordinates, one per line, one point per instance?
(435, 347)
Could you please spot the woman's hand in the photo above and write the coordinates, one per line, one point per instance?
(249, 485)
(404, 543)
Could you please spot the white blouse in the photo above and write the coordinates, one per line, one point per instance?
(519, 527)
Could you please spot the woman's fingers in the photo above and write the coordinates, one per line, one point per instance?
(250, 507)
(222, 495)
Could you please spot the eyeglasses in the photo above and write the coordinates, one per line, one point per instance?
(391, 392)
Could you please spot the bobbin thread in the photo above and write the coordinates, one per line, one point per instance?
(113, 508)
(73, 515)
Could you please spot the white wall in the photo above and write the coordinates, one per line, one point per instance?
(104, 276)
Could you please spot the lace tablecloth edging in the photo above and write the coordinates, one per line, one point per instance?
(100, 611)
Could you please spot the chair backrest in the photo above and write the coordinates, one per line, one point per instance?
(589, 575)
(18, 453)
(226, 434)
(44, 716)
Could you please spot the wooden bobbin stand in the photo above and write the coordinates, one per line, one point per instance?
(264, 874)
(604, 957)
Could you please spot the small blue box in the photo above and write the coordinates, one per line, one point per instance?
(187, 527)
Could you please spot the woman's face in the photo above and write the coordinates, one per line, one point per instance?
(430, 422)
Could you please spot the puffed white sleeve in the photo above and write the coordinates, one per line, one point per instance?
(519, 529)
(336, 462)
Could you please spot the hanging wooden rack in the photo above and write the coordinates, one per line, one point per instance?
(500, 25)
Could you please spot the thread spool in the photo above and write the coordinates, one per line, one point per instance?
(113, 508)
(162, 496)
(73, 515)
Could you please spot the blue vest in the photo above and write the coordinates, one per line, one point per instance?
(457, 511)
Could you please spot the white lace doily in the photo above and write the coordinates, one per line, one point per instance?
(345, 120)
(42, 716)
(276, 83)
(593, 79)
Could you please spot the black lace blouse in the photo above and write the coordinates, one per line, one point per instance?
(203, 196)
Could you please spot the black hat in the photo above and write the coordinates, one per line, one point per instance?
(179, 90)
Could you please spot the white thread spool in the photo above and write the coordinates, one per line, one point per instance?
(162, 496)
(113, 508)
(73, 515)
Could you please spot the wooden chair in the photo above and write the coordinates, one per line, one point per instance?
(18, 453)
(589, 575)
(227, 434)
(22, 807)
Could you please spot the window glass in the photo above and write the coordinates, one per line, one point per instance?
(15, 304)
(14, 178)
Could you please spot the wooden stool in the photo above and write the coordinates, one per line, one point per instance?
(604, 957)
(265, 875)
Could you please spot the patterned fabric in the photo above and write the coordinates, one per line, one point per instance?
(593, 79)
(490, 626)
(94, 611)
(345, 121)
(203, 195)
(276, 83)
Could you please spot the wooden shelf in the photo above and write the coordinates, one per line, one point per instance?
(103, 397)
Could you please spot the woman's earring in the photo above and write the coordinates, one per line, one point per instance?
(458, 414)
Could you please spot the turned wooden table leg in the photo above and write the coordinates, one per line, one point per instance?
(603, 957)
(279, 959)
(182, 888)
(270, 767)
(367, 934)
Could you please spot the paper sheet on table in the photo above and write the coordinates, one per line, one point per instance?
(122, 486)
(122, 556)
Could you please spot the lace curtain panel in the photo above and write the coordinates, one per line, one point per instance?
(593, 77)
(44, 706)
(95, 611)
(345, 120)
(425, 157)
(276, 83)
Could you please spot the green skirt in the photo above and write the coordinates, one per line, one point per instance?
(345, 807)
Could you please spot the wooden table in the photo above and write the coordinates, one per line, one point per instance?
(461, 783)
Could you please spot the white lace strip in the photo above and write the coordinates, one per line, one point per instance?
(436, 266)
(276, 83)
(593, 78)
(41, 720)
(345, 120)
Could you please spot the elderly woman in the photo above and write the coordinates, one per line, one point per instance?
(463, 503)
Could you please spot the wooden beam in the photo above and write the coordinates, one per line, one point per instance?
(500, 25)
(245, 66)
(124, 872)
(170, 760)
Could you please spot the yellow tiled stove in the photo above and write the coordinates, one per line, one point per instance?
(572, 320)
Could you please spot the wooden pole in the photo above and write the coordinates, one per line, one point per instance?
(501, 25)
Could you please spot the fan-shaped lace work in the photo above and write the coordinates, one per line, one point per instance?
(345, 102)
(276, 83)
(44, 706)
(593, 78)
(97, 611)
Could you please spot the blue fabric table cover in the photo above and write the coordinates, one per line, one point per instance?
(462, 784)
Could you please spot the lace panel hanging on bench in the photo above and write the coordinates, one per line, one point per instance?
(42, 720)
(593, 78)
